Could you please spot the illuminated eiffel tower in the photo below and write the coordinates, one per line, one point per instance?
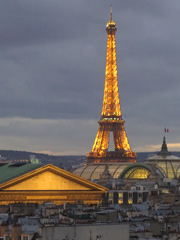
(111, 119)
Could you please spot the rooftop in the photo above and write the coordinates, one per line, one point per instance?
(9, 171)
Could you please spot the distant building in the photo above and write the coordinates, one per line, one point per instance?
(166, 163)
(80, 232)
(33, 159)
(131, 196)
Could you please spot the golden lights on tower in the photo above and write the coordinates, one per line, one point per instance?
(111, 119)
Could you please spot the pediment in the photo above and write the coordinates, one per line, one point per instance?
(50, 177)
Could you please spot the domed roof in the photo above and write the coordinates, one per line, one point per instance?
(166, 162)
(121, 171)
(136, 170)
(166, 165)
(164, 154)
(94, 171)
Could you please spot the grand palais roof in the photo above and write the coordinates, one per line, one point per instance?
(166, 164)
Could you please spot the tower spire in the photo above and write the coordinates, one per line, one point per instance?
(111, 14)
(164, 150)
(111, 119)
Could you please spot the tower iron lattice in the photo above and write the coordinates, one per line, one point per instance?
(111, 118)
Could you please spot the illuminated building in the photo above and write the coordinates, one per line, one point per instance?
(165, 162)
(36, 183)
(111, 118)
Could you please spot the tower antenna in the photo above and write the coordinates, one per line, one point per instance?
(111, 14)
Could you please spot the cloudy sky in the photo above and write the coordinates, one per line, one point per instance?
(52, 66)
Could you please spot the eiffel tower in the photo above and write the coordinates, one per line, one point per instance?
(111, 118)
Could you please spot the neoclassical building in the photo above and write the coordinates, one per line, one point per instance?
(37, 183)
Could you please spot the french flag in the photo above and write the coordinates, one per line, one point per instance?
(166, 130)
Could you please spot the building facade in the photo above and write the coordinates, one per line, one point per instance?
(42, 183)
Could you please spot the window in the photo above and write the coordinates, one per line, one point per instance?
(121, 195)
(130, 195)
(110, 195)
(130, 201)
(24, 237)
(8, 237)
(140, 195)
(120, 201)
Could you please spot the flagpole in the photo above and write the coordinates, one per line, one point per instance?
(166, 130)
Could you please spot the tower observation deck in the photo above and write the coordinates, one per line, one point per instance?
(111, 119)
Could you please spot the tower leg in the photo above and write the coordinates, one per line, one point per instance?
(102, 139)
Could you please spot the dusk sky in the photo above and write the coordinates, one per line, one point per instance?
(52, 65)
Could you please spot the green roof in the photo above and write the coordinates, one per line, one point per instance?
(10, 171)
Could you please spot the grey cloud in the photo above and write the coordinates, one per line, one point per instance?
(52, 66)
